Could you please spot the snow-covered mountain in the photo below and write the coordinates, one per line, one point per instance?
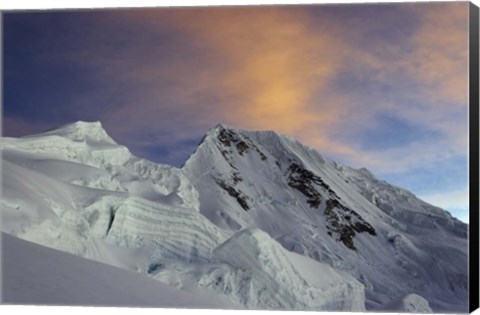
(255, 218)
(389, 240)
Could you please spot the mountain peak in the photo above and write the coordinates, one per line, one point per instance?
(82, 131)
(221, 126)
(218, 128)
(86, 124)
(82, 124)
(226, 140)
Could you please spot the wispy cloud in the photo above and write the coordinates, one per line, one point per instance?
(420, 78)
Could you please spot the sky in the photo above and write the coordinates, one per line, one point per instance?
(381, 86)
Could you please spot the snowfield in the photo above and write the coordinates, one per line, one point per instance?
(255, 219)
(34, 274)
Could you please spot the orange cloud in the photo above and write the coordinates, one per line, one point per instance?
(428, 76)
(438, 65)
(274, 70)
(277, 64)
(441, 52)
(273, 64)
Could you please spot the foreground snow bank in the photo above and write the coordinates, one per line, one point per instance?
(33, 274)
(253, 270)
(288, 280)
(410, 303)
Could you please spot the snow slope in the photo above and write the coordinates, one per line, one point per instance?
(34, 274)
(255, 218)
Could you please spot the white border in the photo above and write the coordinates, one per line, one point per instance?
(72, 4)
(95, 4)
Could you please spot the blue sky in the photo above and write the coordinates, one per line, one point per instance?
(382, 86)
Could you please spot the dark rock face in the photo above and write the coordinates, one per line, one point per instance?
(304, 181)
(342, 222)
(228, 141)
(345, 223)
(238, 195)
(226, 137)
(262, 156)
(236, 177)
(229, 138)
(242, 147)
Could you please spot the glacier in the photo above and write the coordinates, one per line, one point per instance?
(252, 217)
